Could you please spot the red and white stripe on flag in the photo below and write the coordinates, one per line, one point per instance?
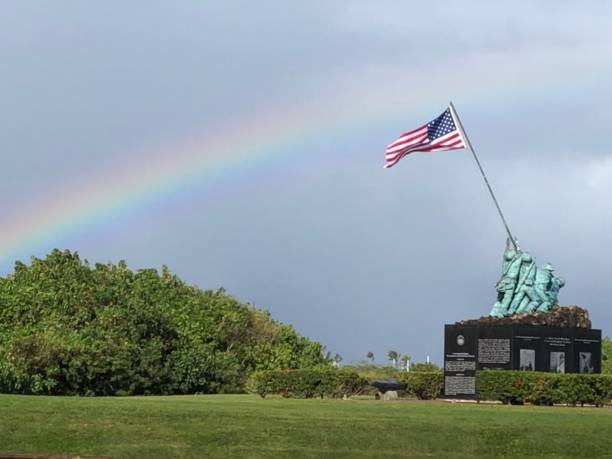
(441, 134)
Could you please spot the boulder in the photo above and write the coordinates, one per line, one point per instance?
(389, 395)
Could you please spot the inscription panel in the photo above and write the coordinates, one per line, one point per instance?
(491, 350)
(459, 366)
(557, 341)
(460, 348)
(460, 385)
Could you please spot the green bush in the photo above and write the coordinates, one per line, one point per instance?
(424, 385)
(519, 387)
(424, 366)
(544, 388)
(70, 328)
(321, 383)
(606, 355)
(500, 385)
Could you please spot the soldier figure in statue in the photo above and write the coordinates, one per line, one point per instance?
(542, 286)
(524, 293)
(505, 286)
(524, 287)
(553, 291)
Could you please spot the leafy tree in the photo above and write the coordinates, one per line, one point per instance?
(69, 328)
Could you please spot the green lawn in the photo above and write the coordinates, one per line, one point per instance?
(247, 426)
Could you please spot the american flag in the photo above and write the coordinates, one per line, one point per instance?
(437, 135)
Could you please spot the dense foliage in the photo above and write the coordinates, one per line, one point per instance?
(424, 380)
(544, 388)
(425, 366)
(517, 387)
(606, 358)
(69, 328)
(424, 385)
(331, 383)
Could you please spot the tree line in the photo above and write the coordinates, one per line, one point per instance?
(67, 327)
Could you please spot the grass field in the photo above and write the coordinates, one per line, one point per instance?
(247, 426)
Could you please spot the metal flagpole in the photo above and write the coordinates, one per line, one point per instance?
(484, 176)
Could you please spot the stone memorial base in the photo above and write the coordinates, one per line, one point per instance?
(471, 347)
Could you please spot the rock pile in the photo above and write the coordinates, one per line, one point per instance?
(566, 316)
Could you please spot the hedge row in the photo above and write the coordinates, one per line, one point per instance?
(520, 387)
(505, 386)
(322, 383)
(424, 385)
(337, 383)
(544, 388)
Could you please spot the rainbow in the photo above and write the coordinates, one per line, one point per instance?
(256, 142)
(150, 175)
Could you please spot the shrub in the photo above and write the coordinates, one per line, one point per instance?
(497, 385)
(544, 388)
(321, 383)
(606, 355)
(424, 385)
(70, 328)
(424, 366)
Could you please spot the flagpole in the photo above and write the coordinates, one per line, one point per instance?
(484, 176)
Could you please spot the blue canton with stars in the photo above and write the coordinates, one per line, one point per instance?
(442, 125)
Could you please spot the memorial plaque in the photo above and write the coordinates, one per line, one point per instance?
(585, 364)
(471, 348)
(587, 352)
(494, 351)
(460, 385)
(527, 359)
(460, 362)
(557, 362)
(460, 365)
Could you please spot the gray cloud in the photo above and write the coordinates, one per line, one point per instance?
(360, 258)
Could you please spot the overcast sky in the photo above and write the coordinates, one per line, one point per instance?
(360, 258)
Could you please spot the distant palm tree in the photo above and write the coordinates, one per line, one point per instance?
(393, 355)
(370, 356)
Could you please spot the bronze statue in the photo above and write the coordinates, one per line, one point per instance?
(525, 287)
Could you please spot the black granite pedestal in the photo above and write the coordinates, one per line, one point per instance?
(468, 349)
